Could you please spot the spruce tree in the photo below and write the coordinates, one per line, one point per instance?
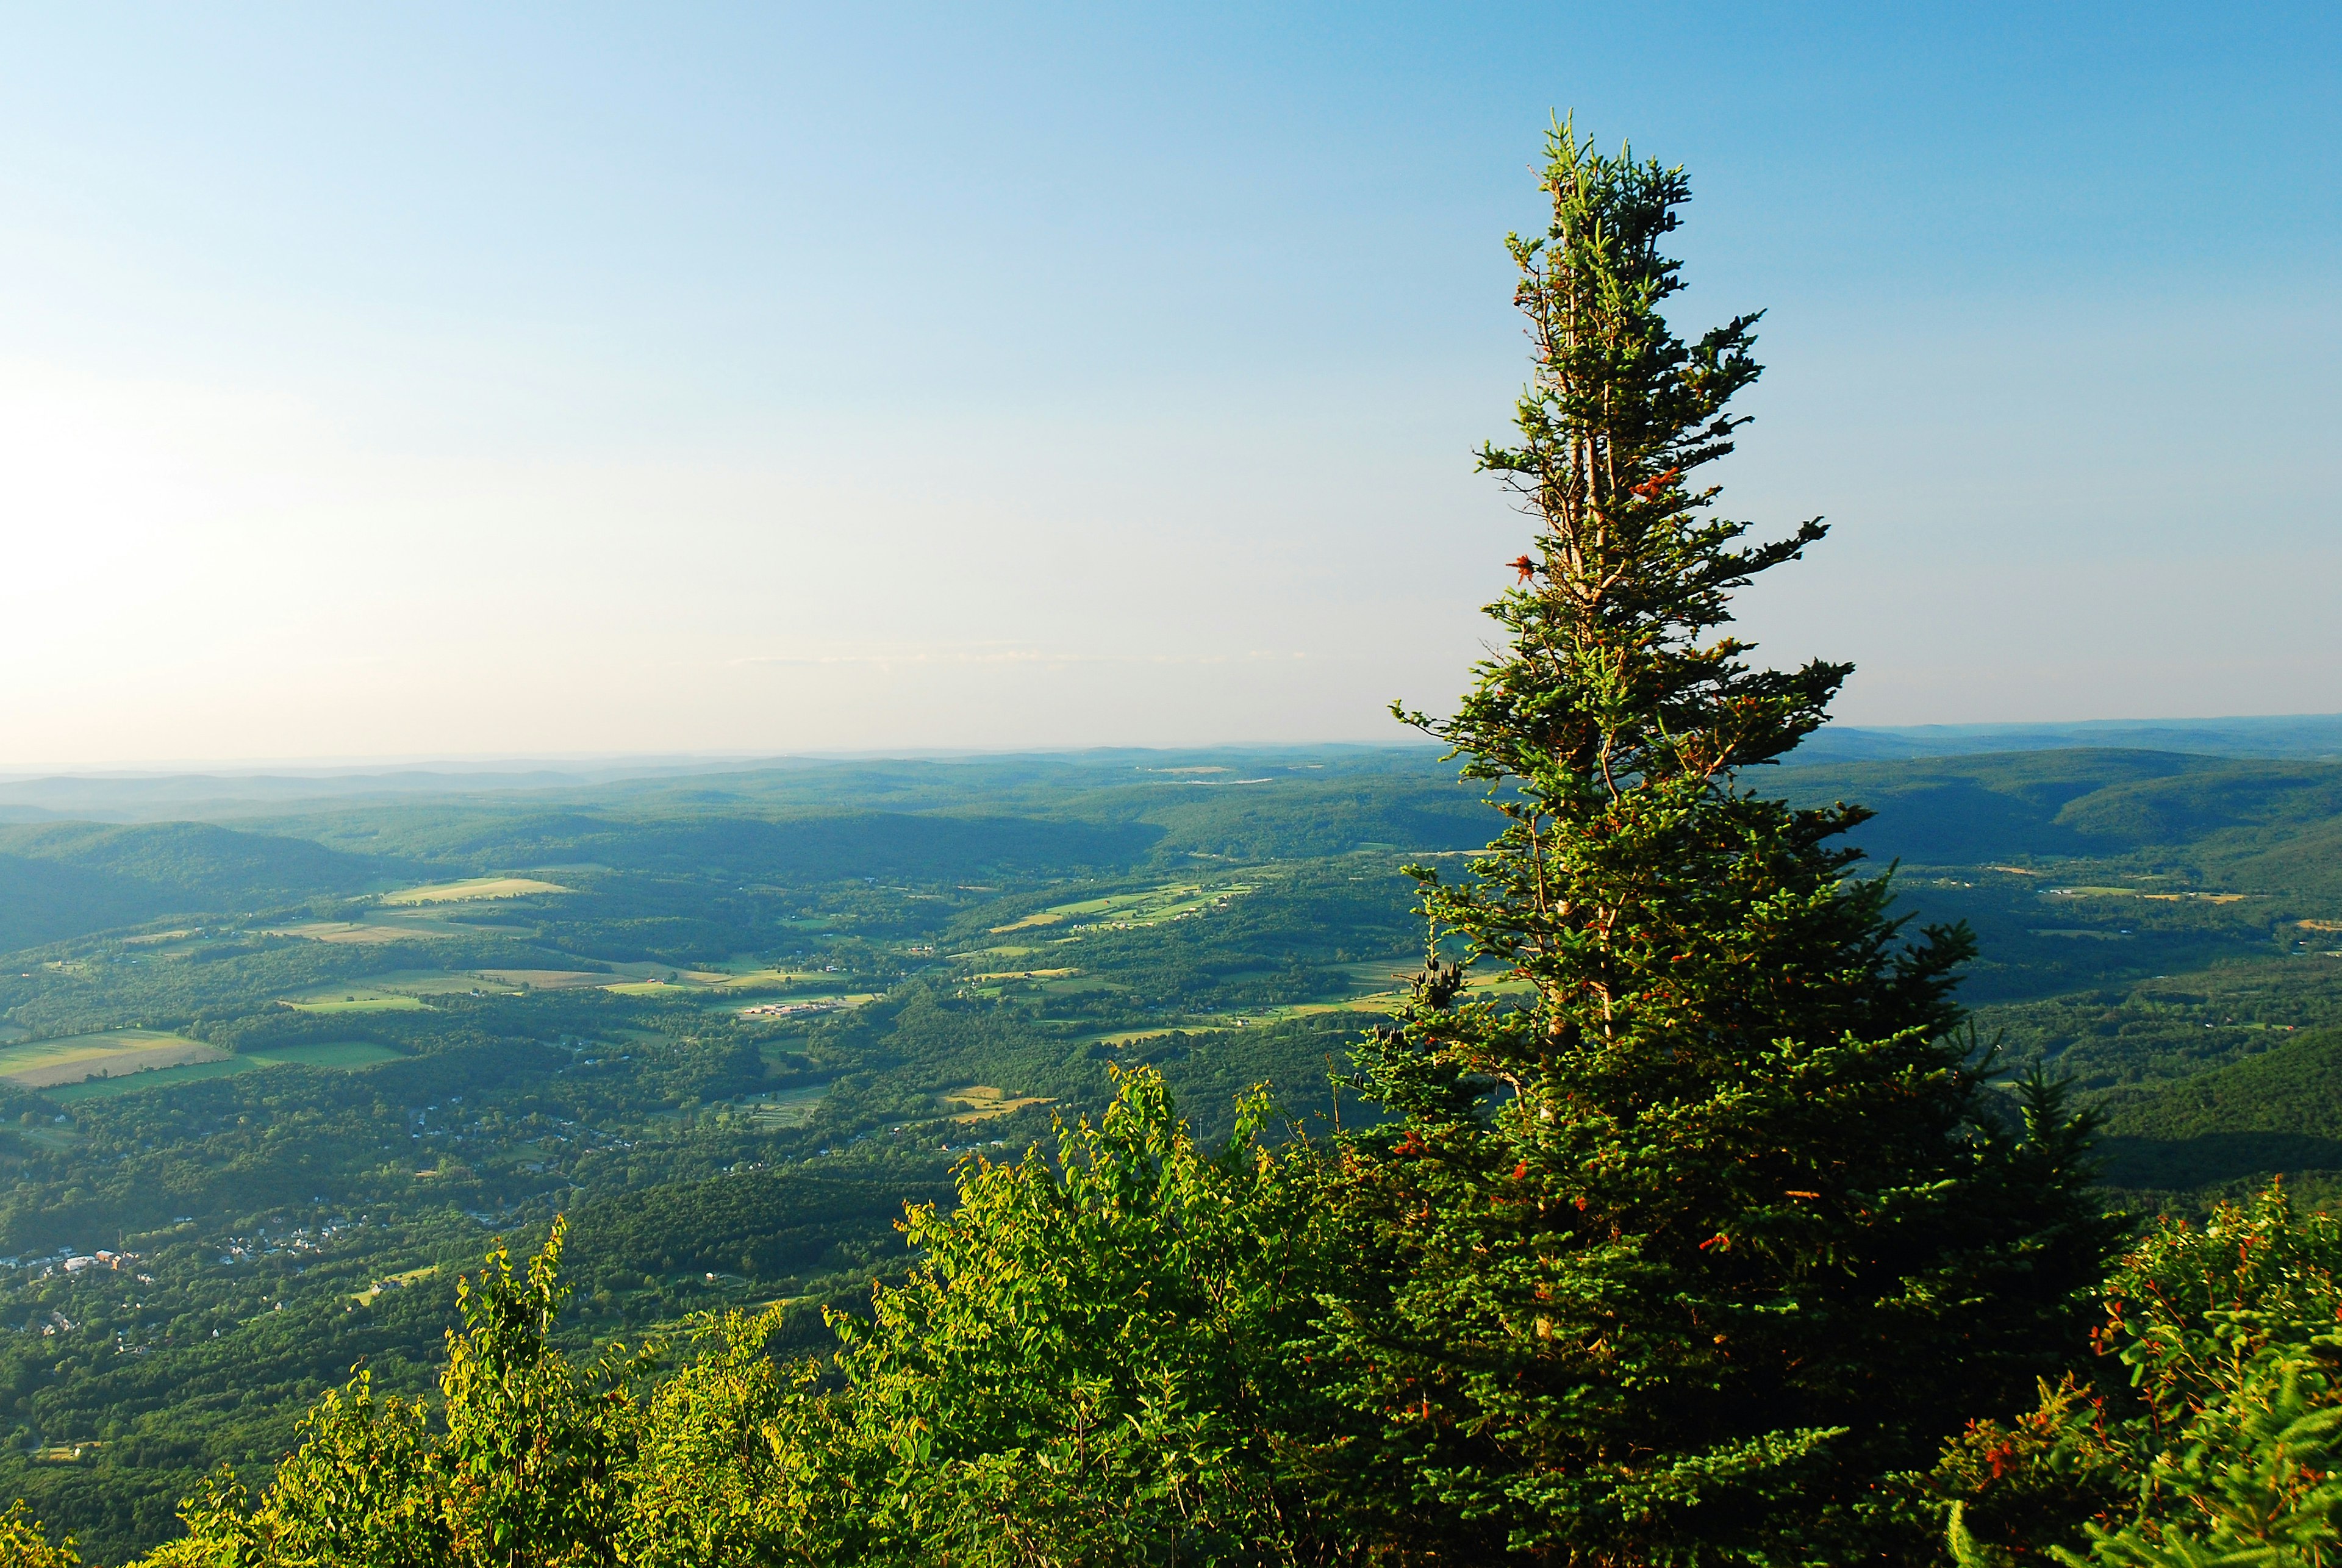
(1710, 1226)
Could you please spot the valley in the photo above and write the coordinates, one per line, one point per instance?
(300, 1062)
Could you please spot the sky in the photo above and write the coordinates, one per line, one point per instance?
(402, 383)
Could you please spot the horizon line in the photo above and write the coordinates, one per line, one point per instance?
(490, 761)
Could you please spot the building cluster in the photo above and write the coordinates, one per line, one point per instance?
(72, 1262)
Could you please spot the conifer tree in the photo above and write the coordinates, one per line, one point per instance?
(1713, 1226)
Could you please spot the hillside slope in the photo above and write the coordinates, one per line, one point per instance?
(2278, 1112)
(60, 880)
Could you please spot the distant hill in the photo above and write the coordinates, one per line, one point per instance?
(821, 821)
(2271, 825)
(2278, 1112)
(2294, 736)
(806, 847)
(59, 880)
(1003, 782)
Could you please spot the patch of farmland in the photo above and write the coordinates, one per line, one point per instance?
(52, 1064)
(784, 1108)
(759, 979)
(404, 1281)
(472, 888)
(345, 1056)
(982, 1102)
(366, 931)
(1150, 906)
(360, 1001)
(547, 979)
(435, 982)
(159, 1078)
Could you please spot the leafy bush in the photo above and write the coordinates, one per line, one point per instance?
(2222, 1442)
(1097, 1360)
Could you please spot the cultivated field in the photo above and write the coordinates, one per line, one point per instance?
(362, 1000)
(117, 1053)
(1172, 901)
(785, 1108)
(549, 979)
(472, 888)
(342, 1055)
(982, 1102)
(362, 933)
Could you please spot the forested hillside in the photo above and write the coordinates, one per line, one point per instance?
(67, 879)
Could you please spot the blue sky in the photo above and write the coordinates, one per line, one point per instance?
(532, 380)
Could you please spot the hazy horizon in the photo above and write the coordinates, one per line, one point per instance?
(770, 381)
(325, 767)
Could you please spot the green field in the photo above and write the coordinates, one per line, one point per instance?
(1150, 906)
(428, 982)
(159, 1078)
(786, 1109)
(358, 1002)
(344, 1055)
(470, 889)
(108, 1053)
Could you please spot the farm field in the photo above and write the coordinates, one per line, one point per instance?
(781, 1110)
(343, 1054)
(545, 979)
(113, 1054)
(469, 889)
(376, 932)
(429, 982)
(1169, 900)
(976, 1103)
(361, 1001)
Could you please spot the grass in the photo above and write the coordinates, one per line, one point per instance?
(362, 933)
(1151, 906)
(758, 980)
(471, 888)
(2089, 892)
(546, 979)
(784, 1108)
(395, 1282)
(982, 1102)
(53, 1064)
(343, 1054)
(358, 1002)
(159, 1078)
(644, 979)
(435, 983)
